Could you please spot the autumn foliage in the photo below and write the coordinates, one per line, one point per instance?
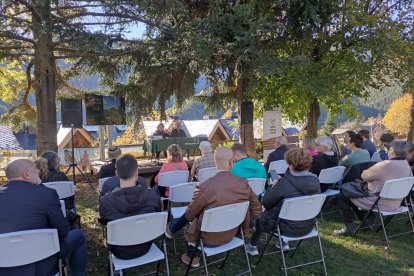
(397, 119)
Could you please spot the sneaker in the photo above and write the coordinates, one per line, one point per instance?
(168, 232)
(252, 250)
(348, 230)
(194, 264)
(285, 245)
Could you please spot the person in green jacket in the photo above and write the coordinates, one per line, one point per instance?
(358, 155)
(244, 166)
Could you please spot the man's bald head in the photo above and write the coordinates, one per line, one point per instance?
(23, 169)
(223, 158)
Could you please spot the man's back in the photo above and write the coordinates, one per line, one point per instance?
(219, 190)
(26, 206)
(369, 146)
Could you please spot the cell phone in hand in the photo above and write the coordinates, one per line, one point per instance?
(273, 175)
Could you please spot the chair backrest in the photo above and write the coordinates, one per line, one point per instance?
(101, 182)
(26, 247)
(225, 217)
(257, 185)
(64, 189)
(63, 207)
(302, 207)
(205, 173)
(168, 179)
(182, 192)
(376, 157)
(136, 229)
(397, 188)
(280, 166)
(331, 175)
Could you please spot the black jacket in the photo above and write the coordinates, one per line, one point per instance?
(356, 171)
(128, 202)
(323, 161)
(178, 133)
(26, 206)
(107, 170)
(114, 182)
(287, 187)
(277, 154)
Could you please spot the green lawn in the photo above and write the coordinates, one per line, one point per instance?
(344, 255)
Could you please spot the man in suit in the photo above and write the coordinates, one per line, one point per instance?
(221, 189)
(278, 153)
(25, 205)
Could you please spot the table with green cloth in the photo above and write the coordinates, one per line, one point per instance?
(154, 146)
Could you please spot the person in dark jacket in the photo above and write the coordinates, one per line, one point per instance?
(160, 132)
(114, 182)
(297, 181)
(177, 131)
(367, 143)
(109, 169)
(128, 200)
(326, 158)
(278, 153)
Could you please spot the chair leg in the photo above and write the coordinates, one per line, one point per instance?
(409, 215)
(387, 220)
(166, 258)
(225, 259)
(158, 268)
(204, 258)
(385, 231)
(296, 248)
(264, 249)
(111, 267)
(245, 252)
(60, 268)
(175, 247)
(282, 251)
(321, 250)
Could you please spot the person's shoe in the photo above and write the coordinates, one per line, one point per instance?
(252, 250)
(168, 232)
(285, 245)
(194, 264)
(349, 229)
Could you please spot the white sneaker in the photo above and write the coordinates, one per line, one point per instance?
(285, 245)
(252, 250)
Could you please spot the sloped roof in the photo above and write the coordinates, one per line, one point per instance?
(232, 131)
(8, 140)
(64, 136)
(198, 128)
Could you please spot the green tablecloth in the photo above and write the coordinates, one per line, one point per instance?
(154, 146)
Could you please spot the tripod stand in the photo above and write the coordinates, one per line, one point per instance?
(73, 164)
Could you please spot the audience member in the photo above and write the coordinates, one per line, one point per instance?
(43, 166)
(386, 140)
(205, 161)
(376, 176)
(160, 132)
(410, 156)
(128, 200)
(244, 166)
(325, 157)
(24, 205)
(357, 155)
(297, 181)
(278, 153)
(309, 143)
(221, 189)
(367, 143)
(178, 132)
(114, 182)
(108, 170)
(345, 149)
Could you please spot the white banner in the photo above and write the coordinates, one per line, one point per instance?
(272, 127)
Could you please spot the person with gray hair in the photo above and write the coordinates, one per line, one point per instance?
(325, 157)
(205, 161)
(278, 153)
(53, 163)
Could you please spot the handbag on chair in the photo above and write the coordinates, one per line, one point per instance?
(355, 189)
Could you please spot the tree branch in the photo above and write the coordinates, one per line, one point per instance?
(29, 79)
(8, 34)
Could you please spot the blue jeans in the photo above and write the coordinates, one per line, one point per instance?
(74, 244)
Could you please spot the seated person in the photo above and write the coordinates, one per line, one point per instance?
(357, 155)
(309, 143)
(109, 169)
(128, 200)
(386, 140)
(174, 163)
(244, 166)
(396, 167)
(160, 132)
(221, 189)
(278, 153)
(367, 143)
(114, 182)
(178, 132)
(205, 161)
(410, 156)
(297, 181)
(345, 150)
(43, 166)
(25, 205)
(325, 157)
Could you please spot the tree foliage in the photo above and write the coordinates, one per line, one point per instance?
(398, 117)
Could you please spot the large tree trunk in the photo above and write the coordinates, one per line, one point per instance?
(45, 77)
(410, 135)
(313, 116)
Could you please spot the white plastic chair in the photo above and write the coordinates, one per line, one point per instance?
(26, 247)
(63, 207)
(137, 230)
(101, 182)
(299, 209)
(64, 189)
(331, 176)
(257, 185)
(205, 173)
(376, 157)
(392, 189)
(222, 219)
(169, 179)
(280, 166)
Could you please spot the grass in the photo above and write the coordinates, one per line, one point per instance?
(365, 254)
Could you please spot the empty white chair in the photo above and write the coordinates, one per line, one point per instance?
(280, 166)
(26, 247)
(257, 185)
(331, 176)
(101, 182)
(222, 219)
(205, 173)
(137, 230)
(169, 179)
(376, 157)
(392, 189)
(299, 209)
(63, 207)
(64, 189)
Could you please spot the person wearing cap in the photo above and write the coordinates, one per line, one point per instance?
(205, 161)
(109, 169)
